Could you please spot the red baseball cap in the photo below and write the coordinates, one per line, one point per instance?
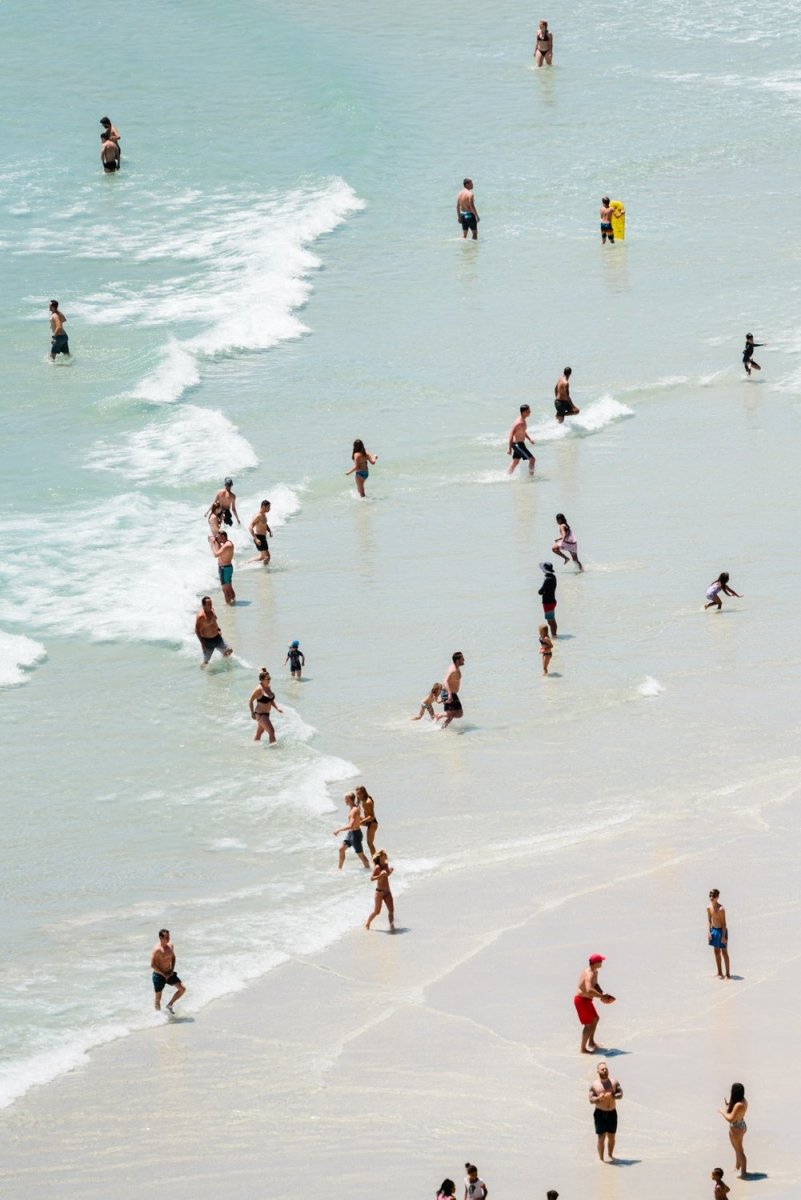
(594, 958)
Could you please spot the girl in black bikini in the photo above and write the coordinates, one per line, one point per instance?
(383, 895)
(262, 702)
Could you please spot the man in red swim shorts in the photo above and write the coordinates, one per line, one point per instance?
(587, 991)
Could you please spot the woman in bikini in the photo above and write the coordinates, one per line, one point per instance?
(369, 822)
(362, 461)
(566, 543)
(383, 895)
(734, 1113)
(262, 702)
(543, 50)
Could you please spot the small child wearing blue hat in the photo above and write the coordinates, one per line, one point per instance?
(296, 658)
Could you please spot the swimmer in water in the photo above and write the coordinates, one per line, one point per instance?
(362, 461)
(721, 584)
(428, 702)
(748, 353)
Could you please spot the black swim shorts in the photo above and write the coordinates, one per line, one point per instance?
(468, 221)
(521, 450)
(59, 344)
(209, 645)
(226, 516)
(354, 840)
(159, 982)
(605, 1122)
(261, 541)
(453, 706)
(563, 408)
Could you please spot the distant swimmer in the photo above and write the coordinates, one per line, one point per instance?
(734, 1113)
(223, 551)
(450, 691)
(546, 648)
(562, 400)
(111, 134)
(721, 1189)
(748, 353)
(227, 502)
(474, 1188)
(208, 633)
(588, 990)
(518, 436)
(261, 704)
(109, 155)
(383, 893)
(548, 594)
(718, 933)
(259, 531)
(566, 543)
(428, 702)
(466, 211)
(543, 47)
(604, 1094)
(296, 659)
(59, 342)
(721, 584)
(353, 839)
(606, 221)
(162, 964)
(369, 820)
(362, 461)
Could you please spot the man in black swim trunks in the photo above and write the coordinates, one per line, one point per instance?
(208, 632)
(466, 211)
(162, 964)
(518, 436)
(59, 342)
(603, 1094)
(562, 403)
(258, 530)
(450, 688)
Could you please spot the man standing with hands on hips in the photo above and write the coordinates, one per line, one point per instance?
(587, 991)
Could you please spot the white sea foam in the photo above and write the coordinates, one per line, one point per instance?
(18, 655)
(650, 687)
(593, 418)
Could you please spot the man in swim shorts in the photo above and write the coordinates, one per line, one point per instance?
(587, 991)
(109, 154)
(59, 343)
(450, 691)
(604, 1093)
(223, 551)
(562, 400)
(227, 502)
(466, 211)
(606, 222)
(718, 932)
(548, 594)
(162, 964)
(258, 530)
(518, 436)
(354, 838)
(208, 633)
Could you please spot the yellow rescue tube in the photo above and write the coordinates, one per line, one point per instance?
(618, 219)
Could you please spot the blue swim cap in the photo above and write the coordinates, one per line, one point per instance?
(295, 643)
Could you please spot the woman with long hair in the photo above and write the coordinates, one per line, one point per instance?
(566, 543)
(362, 460)
(262, 702)
(734, 1113)
(369, 820)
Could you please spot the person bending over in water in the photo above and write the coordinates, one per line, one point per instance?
(566, 542)
(369, 822)
(562, 401)
(721, 1189)
(734, 1113)
(383, 895)
(428, 702)
(718, 932)
(721, 584)
(518, 436)
(546, 648)
(466, 211)
(543, 47)
(362, 461)
(748, 353)
(262, 702)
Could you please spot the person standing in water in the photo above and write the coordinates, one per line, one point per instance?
(543, 47)
(296, 659)
(383, 893)
(109, 155)
(111, 134)
(721, 1189)
(748, 354)
(734, 1113)
(518, 436)
(353, 833)
(587, 991)
(548, 594)
(208, 633)
(721, 584)
(718, 933)
(606, 222)
(566, 543)
(369, 821)
(428, 702)
(258, 530)
(223, 551)
(162, 964)
(466, 211)
(227, 502)
(563, 402)
(59, 342)
(604, 1094)
(362, 461)
(450, 691)
(261, 704)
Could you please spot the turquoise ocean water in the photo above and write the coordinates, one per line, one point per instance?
(277, 270)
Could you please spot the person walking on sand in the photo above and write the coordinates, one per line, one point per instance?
(721, 1189)
(543, 47)
(566, 543)
(606, 222)
(261, 704)
(258, 530)
(383, 893)
(734, 1113)
(162, 964)
(450, 691)
(208, 633)
(548, 594)
(474, 1188)
(59, 342)
(369, 823)
(428, 702)
(353, 833)
(296, 659)
(518, 436)
(466, 211)
(604, 1094)
(562, 400)
(721, 584)
(227, 502)
(587, 991)
(718, 933)
(223, 551)
(546, 648)
(362, 461)
(748, 354)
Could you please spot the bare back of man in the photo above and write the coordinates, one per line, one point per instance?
(466, 211)
(563, 402)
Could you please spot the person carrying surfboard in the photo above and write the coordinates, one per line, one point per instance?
(606, 222)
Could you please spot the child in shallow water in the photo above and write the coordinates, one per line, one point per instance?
(546, 648)
(428, 702)
(721, 584)
(362, 460)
